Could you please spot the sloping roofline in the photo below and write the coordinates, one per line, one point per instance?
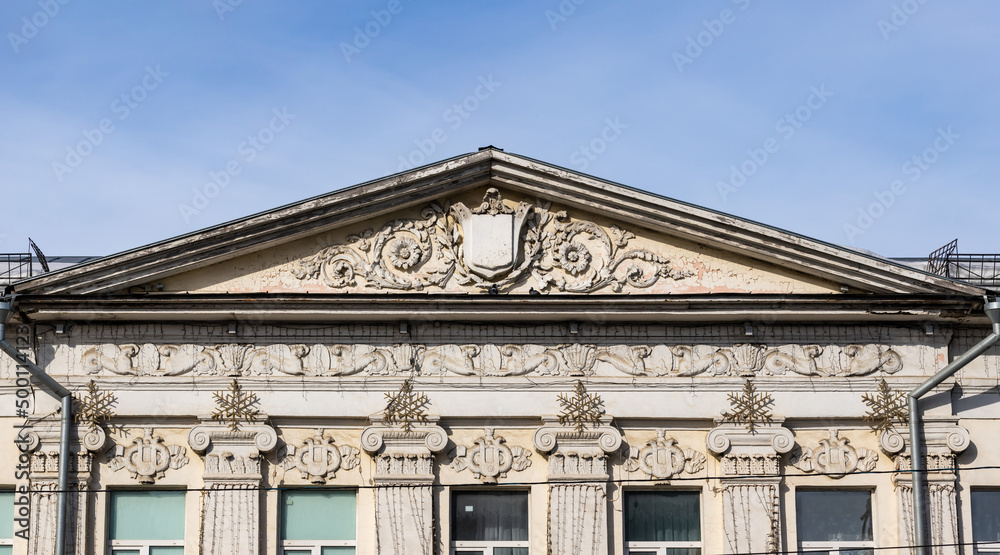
(197, 249)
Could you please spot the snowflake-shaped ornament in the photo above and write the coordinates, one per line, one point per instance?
(582, 409)
(235, 405)
(885, 408)
(749, 407)
(95, 408)
(405, 407)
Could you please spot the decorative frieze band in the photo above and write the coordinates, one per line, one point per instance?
(571, 359)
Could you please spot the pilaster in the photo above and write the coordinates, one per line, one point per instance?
(42, 440)
(404, 472)
(231, 499)
(751, 473)
(578, 473)
(943, 440)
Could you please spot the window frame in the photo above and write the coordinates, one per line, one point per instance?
(981, 547)
(4, 542)
(315, 547)
(486, 547)
(142, 546)
(837, 546)
(661, 548)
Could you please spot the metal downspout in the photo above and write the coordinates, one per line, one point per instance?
(66, 418)
(920, 532)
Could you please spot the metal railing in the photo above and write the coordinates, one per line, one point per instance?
(14, 267)
(977, 269)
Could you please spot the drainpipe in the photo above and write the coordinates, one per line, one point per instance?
(66, 419)
(920, 532)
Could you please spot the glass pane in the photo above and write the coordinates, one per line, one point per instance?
(147, 515)
(297, 552)
(684, 551)
(172, 550)
(986, 516)
(489, 516)
(6, 549)
(662, 516)
(834, 515)
(125, 552)
(315, 515)
(510, 551)
(468, 553)
(857, 552)
(6, 518)
(336, 551)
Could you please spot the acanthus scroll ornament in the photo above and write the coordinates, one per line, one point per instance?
(492, 245)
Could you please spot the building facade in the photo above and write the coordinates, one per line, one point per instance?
(496, 356)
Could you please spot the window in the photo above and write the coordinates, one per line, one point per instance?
(986, 521)
(663, 522)
(835, 521)
(6, 522)
(146, 522)
(318, 522)
(489, 523)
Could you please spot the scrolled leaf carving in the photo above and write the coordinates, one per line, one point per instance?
(500, 246)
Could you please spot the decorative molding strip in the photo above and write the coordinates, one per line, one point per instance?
(661, 458)
(834, 456)
(147, 459)
(489, 359)
(490, 458)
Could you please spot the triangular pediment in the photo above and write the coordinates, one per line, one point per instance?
(487, 238)
(492, 220)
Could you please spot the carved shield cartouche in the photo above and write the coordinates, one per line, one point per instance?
(491, 235)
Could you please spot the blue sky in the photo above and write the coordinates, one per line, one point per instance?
(867, 123)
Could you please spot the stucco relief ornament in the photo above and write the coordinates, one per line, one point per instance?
(491, 245)
(490, 458)
(147, 459)
(491, 235)
(318, 460)
(662, 458)
(834, 457)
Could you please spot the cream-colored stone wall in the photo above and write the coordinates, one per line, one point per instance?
(645, 407)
